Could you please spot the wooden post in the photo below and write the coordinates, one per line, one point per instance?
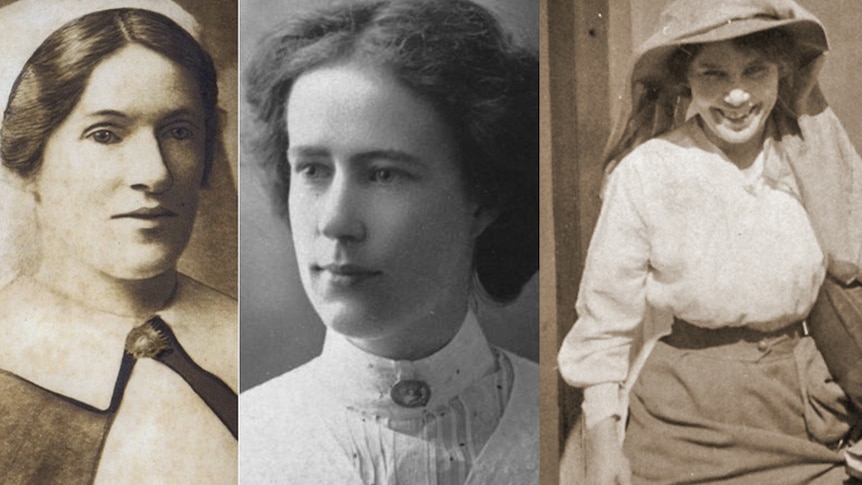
(575, 125)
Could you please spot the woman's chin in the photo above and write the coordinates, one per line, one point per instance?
(353, 321)
(733, 138)
(140, 269)
(729, 134)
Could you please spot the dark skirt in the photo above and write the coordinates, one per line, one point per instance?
(736, 406)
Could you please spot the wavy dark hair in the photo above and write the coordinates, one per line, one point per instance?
(453, 54)
(54, 78)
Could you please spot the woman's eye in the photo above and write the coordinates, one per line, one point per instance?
(181, 133)
(312, 171)
(383, 175)
(104, 137)
(755, 71)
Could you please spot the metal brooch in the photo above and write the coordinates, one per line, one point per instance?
(410, 393)
(145, 341)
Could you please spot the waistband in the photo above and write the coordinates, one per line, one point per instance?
(736, 340)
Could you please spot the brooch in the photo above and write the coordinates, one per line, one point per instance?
(145, 341)
(410, 394)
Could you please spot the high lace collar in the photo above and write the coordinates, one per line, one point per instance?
(362, 382)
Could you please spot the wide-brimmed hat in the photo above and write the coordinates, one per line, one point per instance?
(701, 21)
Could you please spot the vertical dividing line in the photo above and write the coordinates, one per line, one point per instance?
(576, 124)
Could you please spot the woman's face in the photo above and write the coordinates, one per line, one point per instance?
(734, 92)
(382, 225)
(118, 186)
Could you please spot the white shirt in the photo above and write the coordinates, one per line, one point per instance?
(684, 232)
(333, 420)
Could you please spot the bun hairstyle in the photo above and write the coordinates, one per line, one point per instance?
(453, 54)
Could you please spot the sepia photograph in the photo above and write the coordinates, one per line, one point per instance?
(705, 258)
(118, 242)
(430, 242)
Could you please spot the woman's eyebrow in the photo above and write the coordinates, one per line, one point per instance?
(708, 65)
(397, 156)
(179, 113)
(182, 114)
(107, 113)
(307, 152)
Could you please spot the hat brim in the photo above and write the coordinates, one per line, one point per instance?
(651, 65)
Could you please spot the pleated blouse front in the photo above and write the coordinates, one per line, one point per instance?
(335, 420)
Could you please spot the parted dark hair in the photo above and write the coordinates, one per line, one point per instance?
(453, 54)
(54, 78)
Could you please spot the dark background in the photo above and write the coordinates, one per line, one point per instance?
(279, 329)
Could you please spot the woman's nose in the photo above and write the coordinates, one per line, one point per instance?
(737, 97)
(340, 216)
(149, 169)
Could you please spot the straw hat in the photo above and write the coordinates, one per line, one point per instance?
(700, 21)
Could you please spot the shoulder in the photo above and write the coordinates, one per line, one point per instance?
(667, 166)
(500, 462)
(205, 321)
(662, 152)
(286, 433)
(524, 399)
(282, 407)
(266, 404)
(526, 371)
(194, 296)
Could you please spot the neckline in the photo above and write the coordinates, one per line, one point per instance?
(46, 321)
(769, 169)
(362, 382)
(695, 124)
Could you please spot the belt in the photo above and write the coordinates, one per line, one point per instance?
(684, 335)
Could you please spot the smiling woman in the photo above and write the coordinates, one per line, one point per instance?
(733, 92)
(110, 130)
(712, 244)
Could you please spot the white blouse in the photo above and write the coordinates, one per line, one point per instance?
(683, 232)
(334, 420)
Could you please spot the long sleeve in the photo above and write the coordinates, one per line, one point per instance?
(612, 299)
(683, 233)
(829, 172)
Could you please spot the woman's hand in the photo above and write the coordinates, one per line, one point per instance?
(606, 464)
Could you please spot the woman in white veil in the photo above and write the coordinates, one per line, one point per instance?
(109, 134)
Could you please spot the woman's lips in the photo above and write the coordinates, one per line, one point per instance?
(345, 274)
(147, 218)
(146, 213)
(737, 115)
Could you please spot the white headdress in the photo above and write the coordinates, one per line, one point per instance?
(24, 25)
